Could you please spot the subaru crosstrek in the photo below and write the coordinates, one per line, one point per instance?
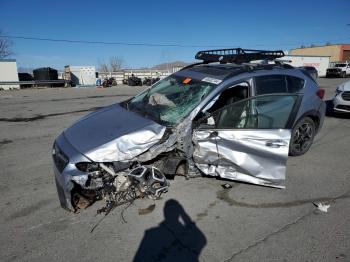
(237, 114)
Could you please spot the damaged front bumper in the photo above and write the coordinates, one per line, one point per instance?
(80, 181)
(65, 170)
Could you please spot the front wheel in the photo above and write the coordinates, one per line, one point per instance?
(302, 137)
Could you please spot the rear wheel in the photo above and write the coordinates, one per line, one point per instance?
(302, 137)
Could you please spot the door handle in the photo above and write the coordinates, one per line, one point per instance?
(275, 143)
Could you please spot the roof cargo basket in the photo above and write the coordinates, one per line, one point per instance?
(237, 55)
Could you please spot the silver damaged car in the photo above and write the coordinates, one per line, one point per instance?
(237, 115)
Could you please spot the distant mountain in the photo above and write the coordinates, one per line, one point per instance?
(170, 65)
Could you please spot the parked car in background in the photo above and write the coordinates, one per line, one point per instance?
(341, 69)
(134, 81)
(223, 117)
(109, 82)
(311, 70)
(341, 100)
(148, 81)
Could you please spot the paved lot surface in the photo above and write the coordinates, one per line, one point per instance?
(245, 223)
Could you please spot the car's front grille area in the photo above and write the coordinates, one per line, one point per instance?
(333, 70)
(343, 107)
(346, 95)
(60, 159)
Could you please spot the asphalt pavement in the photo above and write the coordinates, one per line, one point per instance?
(242, 223)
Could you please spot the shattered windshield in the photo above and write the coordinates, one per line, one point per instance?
(171, 99)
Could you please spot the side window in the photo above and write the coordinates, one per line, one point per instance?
(230, 95)
(270, 84)
(263, 112)
(295, 84)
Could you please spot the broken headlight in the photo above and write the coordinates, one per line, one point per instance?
(87, 166)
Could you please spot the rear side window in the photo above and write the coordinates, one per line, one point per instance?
(270, 84)
(278, 84)
(295, 84)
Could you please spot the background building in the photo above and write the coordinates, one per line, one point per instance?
(80, 75)
(339, 52)
(321, 63)
(8, 73)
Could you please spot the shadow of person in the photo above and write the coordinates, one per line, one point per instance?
(177, 238)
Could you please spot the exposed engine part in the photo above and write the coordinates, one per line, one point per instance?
(107, 169)
(119, 166)
(122, 183)
(126, 188)
(94, 180)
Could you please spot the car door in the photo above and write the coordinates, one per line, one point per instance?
(248, 140)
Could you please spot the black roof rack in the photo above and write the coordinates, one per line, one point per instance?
(237, 55)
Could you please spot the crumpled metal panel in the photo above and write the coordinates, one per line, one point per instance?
(157, 149)
(128, 146)
(113, 134)
(243, 155)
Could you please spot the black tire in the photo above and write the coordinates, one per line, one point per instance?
(303, 135)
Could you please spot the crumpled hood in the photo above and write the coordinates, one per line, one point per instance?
(344, 86)
(113, 134)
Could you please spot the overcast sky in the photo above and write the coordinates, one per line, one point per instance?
(203, 24)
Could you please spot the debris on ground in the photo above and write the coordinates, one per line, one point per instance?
(322, 207)
(226, 186)
(147, 210)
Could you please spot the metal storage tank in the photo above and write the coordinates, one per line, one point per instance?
(45, 73)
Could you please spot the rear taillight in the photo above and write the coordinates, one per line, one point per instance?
(320, 93)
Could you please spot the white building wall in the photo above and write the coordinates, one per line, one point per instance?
(8, 73)
(83, 75)
(321, 63)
